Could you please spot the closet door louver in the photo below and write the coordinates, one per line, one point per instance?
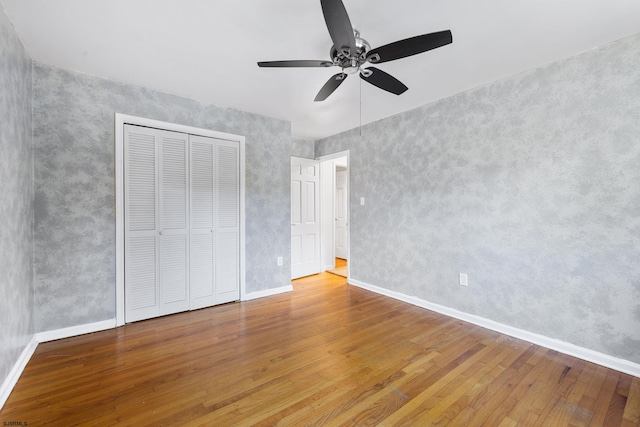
(174, 213)
(202, 222)
(141, 223)
(227, 229)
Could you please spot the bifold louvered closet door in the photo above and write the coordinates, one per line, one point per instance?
(181, 222)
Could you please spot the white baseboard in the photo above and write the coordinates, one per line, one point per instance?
(267, 293)
(75, 330)
(11, 380)
(18, 367)
(602, 359)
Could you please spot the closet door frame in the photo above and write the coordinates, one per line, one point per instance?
(120, 121)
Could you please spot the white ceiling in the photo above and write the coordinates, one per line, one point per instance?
(207, 49)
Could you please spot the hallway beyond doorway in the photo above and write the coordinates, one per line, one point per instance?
(340, 268)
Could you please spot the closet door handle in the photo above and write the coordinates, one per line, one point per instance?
(161, 233)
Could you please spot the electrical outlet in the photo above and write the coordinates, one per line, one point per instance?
(464, 279)
(279, 261)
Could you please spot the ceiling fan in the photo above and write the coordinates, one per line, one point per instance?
(350, 52)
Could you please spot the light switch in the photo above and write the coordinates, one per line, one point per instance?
(361, 201)
(464, 279)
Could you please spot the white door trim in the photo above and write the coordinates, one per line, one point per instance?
(120, 121)
(327, 208)
(341, 224)
(334, 156)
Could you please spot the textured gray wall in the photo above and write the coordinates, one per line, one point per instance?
(75, 193)
(16, 198)
(303, 148)
(531, 185)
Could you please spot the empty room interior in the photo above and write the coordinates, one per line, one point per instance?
(320, 212)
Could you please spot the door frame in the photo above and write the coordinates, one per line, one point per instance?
(338, 170)
(326, 231)
(120, 121)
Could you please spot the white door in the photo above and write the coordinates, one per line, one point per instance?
(341, 214)
(174, 220)
(202, 240)
(227, 230)
(305, 217)
(156, 223)
(141, 224)
(215, 232)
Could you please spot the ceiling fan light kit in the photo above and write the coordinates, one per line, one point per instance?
(350, 52)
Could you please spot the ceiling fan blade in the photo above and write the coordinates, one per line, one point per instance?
(339, 26)
(409, 47)
(330, 86)
(295, 63)
(383, 80)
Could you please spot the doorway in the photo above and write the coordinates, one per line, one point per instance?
(334, 213)
(334, 207)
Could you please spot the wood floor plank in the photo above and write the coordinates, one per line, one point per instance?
(615, 412)
(529, 388)
(604, 398)
(326, 354)
(632, 410)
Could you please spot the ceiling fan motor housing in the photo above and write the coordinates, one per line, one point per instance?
(350, 62)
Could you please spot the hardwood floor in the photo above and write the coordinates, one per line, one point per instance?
(325, 354)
